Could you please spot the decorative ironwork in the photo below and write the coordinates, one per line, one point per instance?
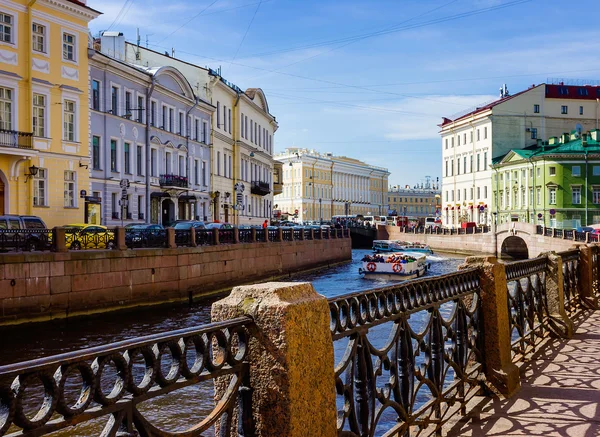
(90, 237)
(595, 270)
(527, 304)
(548, 232)
(558, 233)
(318, 234)
(308, 234)
(261, 235)
(183, 237)
(114, 379)
(172, 180)
(298, 234)
(568, 234)
(287, 235)
(260, 188)
(539, 230)
(147, 237)
(570, 261)
(13, 138)
(273, 234)
(226, 236)
(580, 236)
(245, 235)
(325, 233)
(204, 237)
(27, 240)
(426, 370)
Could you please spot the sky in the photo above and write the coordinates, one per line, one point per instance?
(370, 79)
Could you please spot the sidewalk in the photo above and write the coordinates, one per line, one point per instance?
(559, 396)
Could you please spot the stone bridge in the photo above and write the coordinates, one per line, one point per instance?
(510, 240)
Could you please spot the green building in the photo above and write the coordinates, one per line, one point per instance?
(554, 183)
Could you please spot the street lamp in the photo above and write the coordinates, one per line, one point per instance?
(320, 211)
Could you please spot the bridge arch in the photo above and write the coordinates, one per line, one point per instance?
(514, 247)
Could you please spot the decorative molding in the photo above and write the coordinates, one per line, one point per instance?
(8, 57)
(40, 65)
(69, 73)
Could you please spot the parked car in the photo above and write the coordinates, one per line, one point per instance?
(584, 229)
(219, 226)
(84, 236)
(188, 224)
(34, 236)
(145, 235)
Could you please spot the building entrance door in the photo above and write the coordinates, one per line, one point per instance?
(168, 212)
(2, 212)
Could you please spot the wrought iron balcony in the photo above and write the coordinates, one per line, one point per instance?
(260, 188)
(13, 138)
(173, 181)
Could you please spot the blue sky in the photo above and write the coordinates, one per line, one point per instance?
(370, 79)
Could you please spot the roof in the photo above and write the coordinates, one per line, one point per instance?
(83, 5)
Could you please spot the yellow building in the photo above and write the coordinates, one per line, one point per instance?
(44, 115)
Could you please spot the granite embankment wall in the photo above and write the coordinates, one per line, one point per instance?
(43, 286)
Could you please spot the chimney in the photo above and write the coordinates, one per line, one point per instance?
(595, 134)
(113, 44)
(539, 142)
(565, 137)
(552, 141)
(584, 139)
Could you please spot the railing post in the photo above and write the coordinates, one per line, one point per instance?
(290, 357)
(59, 239)
(193, 237)
(312, 233)
(587, 237)
(215, 235)
(120, 238)
(301, 234)
(279, 235)
(499, 368)
(253, 235)
(574, 235)
(236, 235)
(588, 284)
(555, 294)
(334, 233)
(171, 238)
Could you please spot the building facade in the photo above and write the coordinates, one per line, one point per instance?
(555, 183)
(419, 202)
(44, 116)
(241, 140)
(471, 141)
(320, 186)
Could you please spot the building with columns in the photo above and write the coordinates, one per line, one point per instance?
(418, 201)
(320, 186)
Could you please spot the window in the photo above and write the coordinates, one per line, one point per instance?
(113, 198)
(457, 140)
(181, 126)
(446, 168)
(140, 207)
(153, 162)
(563, 90)
(128, 104)
(39, 115)
(536, 109)
(204, 173)
(576, 195)
(114, 100)
(182, 166)
(127, 157)
(69, 189)
(484, 133)
(538, 196)
(229, 119)
(95, 95)
(218, 163)
(113, 155)
(246, 126)
(564, 109)
(596, 170)
(139, 160)
(5, 108)
(478, 161)
(446, 143)
(581, 110)
(6, 28)
(153, 113)
(205, 132)
(464, 138)
(69, 120)
(582, 91)
(38, 37)
(39, 188)
(69, 47)
(165, 115)
(452, 167)
(140, 109)
(478, 135)
(485, 192)
(484, 160)
(171, 119)
(465, 164)
(552, 195)
(576, 170)
(452, 142)
(218, 114)
(458, 166)
(595, 195)
(551, 171)
(479, 192)
(96, 152)
(534, 133)
(196, 172)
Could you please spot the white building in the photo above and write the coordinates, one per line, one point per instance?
(471, 141)
(320, 186)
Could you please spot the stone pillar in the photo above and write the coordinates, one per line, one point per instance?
(279, 234)
(555, 294)
(171, 238)
(334, 233)
(312, 233)
(59, 239)
(301, 234)
(215, 235)
(587, 237)
(120, 238)
(291, 358)
(587, 283)
(500, 370)
(236, 235)
(193, 237)
(253, 235)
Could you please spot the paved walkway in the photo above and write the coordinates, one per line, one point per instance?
(559, 396)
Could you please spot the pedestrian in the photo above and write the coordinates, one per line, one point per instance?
(265, 224)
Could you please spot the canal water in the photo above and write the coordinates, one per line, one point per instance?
(37, 340)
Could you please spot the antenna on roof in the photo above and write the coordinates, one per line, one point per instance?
(504, 91)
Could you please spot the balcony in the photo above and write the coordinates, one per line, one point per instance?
(16, 139)
(260, 188)
(173, 181)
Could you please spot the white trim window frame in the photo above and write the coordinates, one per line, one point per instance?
(40, 38)
(140, 111)
(40, 112)
(70, 45)
(96, 95)
(181, 122)
(70, 188)
(128, 106)
(70, 131)
(205, 131)
(40, 188)
(115, 99)
(153, 112)
(576, 194)
(7, 107)
(9, 29)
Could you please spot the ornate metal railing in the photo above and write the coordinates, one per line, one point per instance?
(86, 238)
(80, 388)
(527, 304)
(298, 234)
(287, 235)
(172, 180)
(420, 371)
(308, 234)
(261, 235)
(548, 232)
(318, 234)
(204, 237)
(580, 236)
(183, 237)
(568, 234)
(558, 233)
(28, 240)
(570, 261)
(273, 234)
(226, 236)
(339, 233)
(245, 235)
(325, 233)
(145, 238)
(539, 230)
(595, 269)
(13, 138)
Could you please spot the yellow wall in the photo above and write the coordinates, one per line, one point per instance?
(57, 79)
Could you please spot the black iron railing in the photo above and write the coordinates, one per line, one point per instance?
(261, 235)
(108, 383)
(226, 236)
(287, 235)
(568, 234)
(13, 138)
(273, 234)
(298, 234)
(204, 237)
(245, 235)
(429, 364)
(172, 180)
(260, 188)
(580, 236)
(318, 234)
(26, 240)
(89, 238)
(571, 273)
(183, 237)
(308, 234)
(145, 238)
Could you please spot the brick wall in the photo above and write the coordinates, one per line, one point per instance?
(42, 286)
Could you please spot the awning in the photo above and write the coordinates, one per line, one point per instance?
(159, 194)
(188, 197)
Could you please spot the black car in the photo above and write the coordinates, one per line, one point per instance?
(188, 224)
(145, 236)
(24, 232)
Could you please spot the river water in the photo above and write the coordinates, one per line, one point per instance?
(43, 339)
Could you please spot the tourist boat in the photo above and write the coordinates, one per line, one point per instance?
(381, 246)
(394, 266)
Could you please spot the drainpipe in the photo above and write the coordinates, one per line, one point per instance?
(236, 214)
(28, 98)
(148, 150)
(187, 146)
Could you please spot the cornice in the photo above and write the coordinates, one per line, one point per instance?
(73, 9)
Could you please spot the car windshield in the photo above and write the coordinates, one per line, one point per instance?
(183, 225)
(139, 227)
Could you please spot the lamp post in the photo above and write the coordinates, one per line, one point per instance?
(320, 211)
(495, 214)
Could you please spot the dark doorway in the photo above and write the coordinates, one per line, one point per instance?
(514, 248)
(168, 212)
